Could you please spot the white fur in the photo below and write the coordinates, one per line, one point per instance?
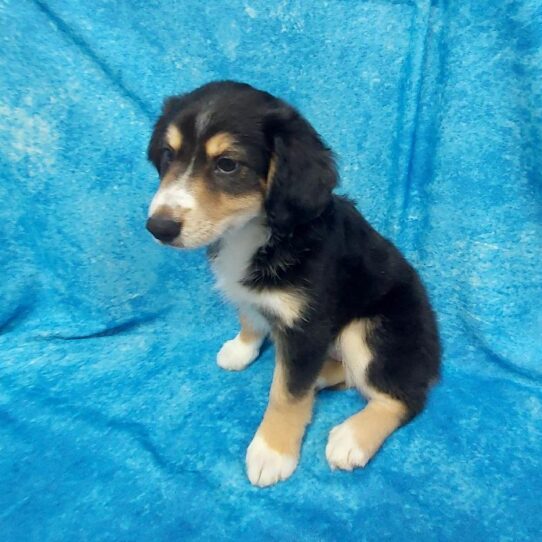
(237, 354)
(342, 450)
(202, 121)
(265, 466)
(321, 383)
(258, 322)
(175, 194)
(184, 199)
(237, 249)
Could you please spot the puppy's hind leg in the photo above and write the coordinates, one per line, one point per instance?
(354, 442)
(241, 351)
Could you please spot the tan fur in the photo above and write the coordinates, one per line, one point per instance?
(215, 211)
(171, 213)
(383, 414)
(171, 176)
(219, 205)
(270, 173)
(219, 144)
(165, 211)
(376, 422)
(247, 333)
(205, 211)
(286, 417)
(354, 351)
(286, 304)
(174, 137)
(331, 375)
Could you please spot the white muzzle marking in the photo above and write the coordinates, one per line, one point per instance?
(176, 194)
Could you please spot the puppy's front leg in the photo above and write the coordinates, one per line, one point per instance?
(242, 350)
(274, 451)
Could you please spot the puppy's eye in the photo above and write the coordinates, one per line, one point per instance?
(226, 165)
(165, 160)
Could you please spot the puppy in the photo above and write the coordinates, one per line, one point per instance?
(245, 174)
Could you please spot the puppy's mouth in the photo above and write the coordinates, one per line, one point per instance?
(176, 243)
(171, 233)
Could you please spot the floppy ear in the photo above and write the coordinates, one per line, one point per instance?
(302, 171)
(170, 108)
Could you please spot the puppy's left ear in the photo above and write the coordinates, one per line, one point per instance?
(302, 171)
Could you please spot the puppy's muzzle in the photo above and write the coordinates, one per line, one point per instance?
(164, 229)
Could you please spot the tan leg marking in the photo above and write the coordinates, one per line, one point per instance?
(376, 422)
(242, 350)
(355, 353)
(332, 374)
(273, 453)
(354, 442)
(248, 334)
(286, 417)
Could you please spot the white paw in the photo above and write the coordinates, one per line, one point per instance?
(265, 466)
(237, 354)
(342, 450)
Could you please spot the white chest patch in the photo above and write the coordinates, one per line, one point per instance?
(230, 267)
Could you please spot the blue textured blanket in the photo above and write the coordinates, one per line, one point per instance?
(115, 422)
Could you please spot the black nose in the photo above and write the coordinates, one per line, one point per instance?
(163, 229)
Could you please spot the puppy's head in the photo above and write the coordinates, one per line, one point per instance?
(227, 153)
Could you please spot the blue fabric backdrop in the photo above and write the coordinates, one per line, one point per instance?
(115, 422)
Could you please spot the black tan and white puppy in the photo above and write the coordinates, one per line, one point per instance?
(244, 173)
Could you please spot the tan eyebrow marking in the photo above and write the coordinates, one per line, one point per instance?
(174, 137)
(219, 143)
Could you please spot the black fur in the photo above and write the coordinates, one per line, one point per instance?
(305, 171)
(321, 244)
(348, 271)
